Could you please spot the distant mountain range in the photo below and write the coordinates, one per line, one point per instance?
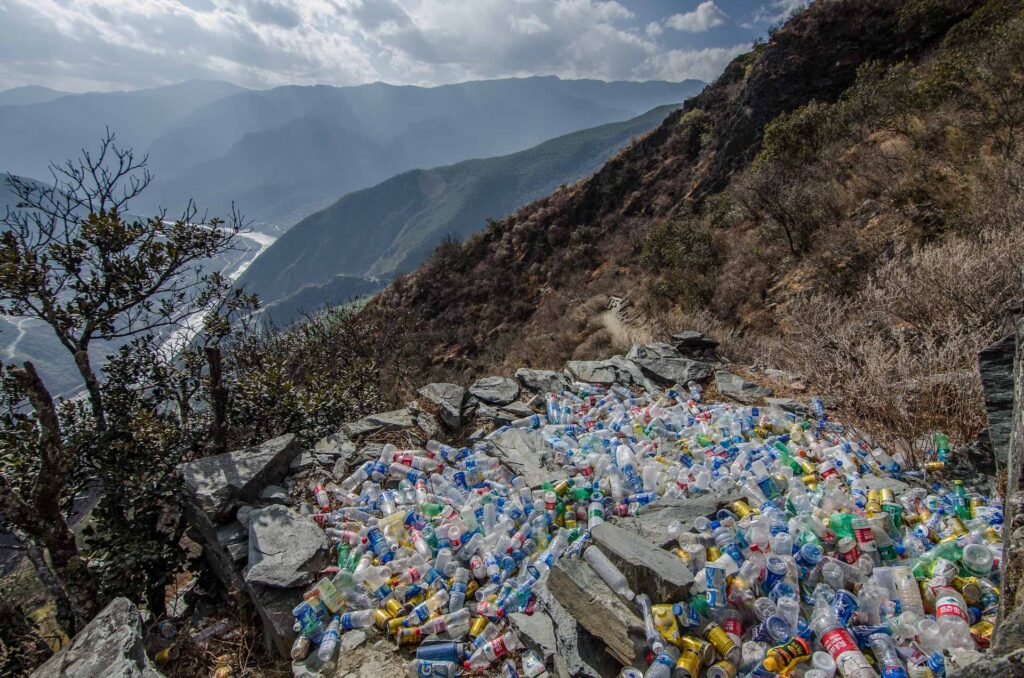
(392, 227)
(281, 154)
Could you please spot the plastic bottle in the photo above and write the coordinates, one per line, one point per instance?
(491, 652)
(607, 570)
(850, 661)
(886, 656)
(329, 642)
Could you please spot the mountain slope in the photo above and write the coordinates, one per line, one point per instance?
(839, 203)
(393, 226)
(29, 94)
(379, 130)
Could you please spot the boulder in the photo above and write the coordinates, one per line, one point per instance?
(615, 370)
(789, 405)
(648, 568)
(651, 521)
(495, 390)
(395, 420)
(525, 454)
(449, 400)
(665, 365)
(596, 608)
(578, 653)
(110, 645)
(995, 364)
(537, 632)
(691, 342)
(285, 548)
(217, 485)
(738, 388)
(541, 381)
(991, 666)
(274, 494)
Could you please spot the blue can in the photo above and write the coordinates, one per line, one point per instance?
(845, 604)
(444, 651)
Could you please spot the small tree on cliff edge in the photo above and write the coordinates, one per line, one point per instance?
(73, 257)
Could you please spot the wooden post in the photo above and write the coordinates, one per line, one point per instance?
(219, 398)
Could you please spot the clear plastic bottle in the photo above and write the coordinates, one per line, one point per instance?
(490, 652)
(833, 636)
(607, 570)
(329, 642)
(886, 656)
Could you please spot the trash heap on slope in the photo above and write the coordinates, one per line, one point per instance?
(815, 568)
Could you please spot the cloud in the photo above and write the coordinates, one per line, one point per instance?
(704, 18)
(776, 11)
(702, 64)
(128, 44)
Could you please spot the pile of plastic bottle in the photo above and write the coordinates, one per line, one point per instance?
(811, 573)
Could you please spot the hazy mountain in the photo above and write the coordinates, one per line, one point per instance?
(394, 225)
(33, 134)
(29, 94)
(281, 154)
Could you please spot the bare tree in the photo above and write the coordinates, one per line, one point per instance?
(72, 256)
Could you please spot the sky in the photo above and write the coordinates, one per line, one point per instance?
(102, 45)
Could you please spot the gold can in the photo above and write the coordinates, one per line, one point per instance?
(381, 619)
(811, 481)
(395, 624)
(704, 649)
(934, 466)
(740, 508)
(887, 496)
(471, 588)
(713, 553)
(982, 633)
(477, 627)
(968, 588)
(561, 487)
(874, 505)
(716, 635)
(409, 636)
(683, 555)
(393, 607)
(688, 665)
(721, 669)
(956, 526)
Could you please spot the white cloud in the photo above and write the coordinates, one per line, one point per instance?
(775, 12)
(703, 64)
(654, 29)
(704, 18)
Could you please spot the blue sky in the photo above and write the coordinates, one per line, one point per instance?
(80, 45)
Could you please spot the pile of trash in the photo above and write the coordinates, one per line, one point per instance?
(825, 555)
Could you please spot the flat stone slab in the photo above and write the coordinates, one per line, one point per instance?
(648, 568)
(450, 399)
(615, 370)
(789, 405)
(495, 390)
(995, 365)
(109, 645)
(218, 484)
(537, 632)
(395, 420)
(541, 381)
(586, 597)
(666, 365)
(651, 521)
(285, 548)
(524, 453)
(738, 388)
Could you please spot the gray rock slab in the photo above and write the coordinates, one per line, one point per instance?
(691, 340)
(995, 364)
(651, 521)
(109, 645)
(541, 381)
(517, 409)
(274, 606)
(275, 494)
(285, 548)
(873, 482)
(789, 405)
(665, 365)
(738, 388)
(615, 370)
(395, 420)
(495, 390)
(350, 640)
(648, 568)
(594, 606)
(524, 453)
(304, 460)
(537, 632)
(217, 485)
(449, 399)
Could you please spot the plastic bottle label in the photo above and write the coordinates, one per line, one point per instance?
(838, 642)
(949, 605)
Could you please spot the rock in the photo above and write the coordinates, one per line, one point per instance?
(217, 485)
(427, 423)
(537, 632)
(738, 388)
(789, 405)
(541, 381)
(586, 597)
(242, 515)
(615, 370)
(395, 420)
(578, 652)
(524, 453)
(303, 461)
(690, 342)
(517, 409)
(995, 364)
(449, 400)
(873, 482)
(352, 639)
(335, 445)
(648, 568)
(651, 521)
(110, 645)
(285, 549)
(1010, 632)
(275, 494)
(992, 666)
(495, 390)
(665, 365)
